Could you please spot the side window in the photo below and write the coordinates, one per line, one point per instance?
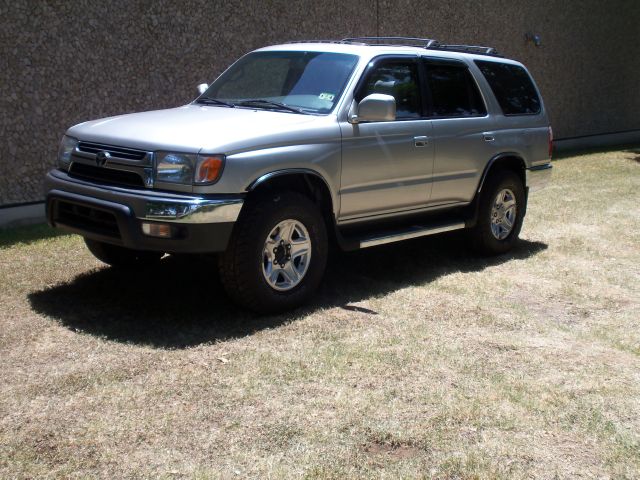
(512, 87)
(454, 92)
(400, 80)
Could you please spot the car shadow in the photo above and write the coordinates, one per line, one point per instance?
(180, 303)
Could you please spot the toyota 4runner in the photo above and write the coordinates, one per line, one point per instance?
(363, 142)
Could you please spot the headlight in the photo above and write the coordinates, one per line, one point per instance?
(175, 167)
(188, 168)
(67, 144)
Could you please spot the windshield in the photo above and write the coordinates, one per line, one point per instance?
(307, 82)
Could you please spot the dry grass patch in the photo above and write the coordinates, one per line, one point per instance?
(417, 360)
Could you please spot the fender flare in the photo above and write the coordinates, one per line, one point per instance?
(295, 171)
(472, 209)
(493, 160)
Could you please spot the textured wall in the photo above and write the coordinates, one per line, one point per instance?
(588, 66)
(65, 62)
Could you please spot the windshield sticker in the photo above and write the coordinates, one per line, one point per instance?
(326, 96)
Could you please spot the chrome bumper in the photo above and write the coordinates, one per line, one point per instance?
(153, 205)
(193, 210)
(538, 177)
(116, 215)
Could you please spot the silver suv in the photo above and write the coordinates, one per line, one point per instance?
(363, 141)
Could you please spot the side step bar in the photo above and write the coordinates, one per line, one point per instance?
(411, 232)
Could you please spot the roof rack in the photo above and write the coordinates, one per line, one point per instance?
(314, 41)
(427, 43)
(477, 49)
(408, 41)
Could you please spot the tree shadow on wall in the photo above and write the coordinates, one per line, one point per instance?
(180, 303)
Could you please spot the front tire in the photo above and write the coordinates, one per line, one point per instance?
(277, 253)
(121, 257)
(500, 214)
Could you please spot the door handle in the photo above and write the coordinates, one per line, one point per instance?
(488, 137)
(421, 141)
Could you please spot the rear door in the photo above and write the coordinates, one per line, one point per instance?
(461, 130)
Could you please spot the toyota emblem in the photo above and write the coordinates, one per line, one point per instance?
(102, 157)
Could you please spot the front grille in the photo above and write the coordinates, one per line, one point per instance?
(104, 175)
(86, 218)
(120, 152)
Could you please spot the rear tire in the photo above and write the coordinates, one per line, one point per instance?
(500, 214)
(277, 253)
(121, 257)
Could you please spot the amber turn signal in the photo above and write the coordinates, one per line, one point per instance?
(208, 169)
(157, 230)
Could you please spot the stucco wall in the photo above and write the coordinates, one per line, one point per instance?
(588, 66)
(65, 62)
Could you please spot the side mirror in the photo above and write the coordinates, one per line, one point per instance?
(376, 107)
(202, 88)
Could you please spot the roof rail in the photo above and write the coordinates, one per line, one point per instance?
(427, 43)
(313, 41)
(477, 49)
(408, 41)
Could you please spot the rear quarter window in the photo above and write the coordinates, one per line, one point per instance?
(512, 87)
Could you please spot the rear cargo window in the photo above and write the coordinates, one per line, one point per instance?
(512, 87)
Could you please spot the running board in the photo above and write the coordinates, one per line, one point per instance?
(411, 232)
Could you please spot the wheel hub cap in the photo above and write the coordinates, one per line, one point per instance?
(286, 255)
(282, 253)
(503, 214)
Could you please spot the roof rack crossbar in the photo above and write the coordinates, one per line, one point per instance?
(409, 41)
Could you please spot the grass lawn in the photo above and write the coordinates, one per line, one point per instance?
(417, 359)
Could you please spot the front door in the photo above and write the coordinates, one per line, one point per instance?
(387, 166)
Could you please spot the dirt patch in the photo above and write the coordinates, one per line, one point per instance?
(394, 451)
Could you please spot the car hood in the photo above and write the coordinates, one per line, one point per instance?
(193, 128)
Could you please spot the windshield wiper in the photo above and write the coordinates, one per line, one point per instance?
(269, 103)
(214, 101)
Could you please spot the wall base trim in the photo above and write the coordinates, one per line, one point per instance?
(629, 137)
(20, 215)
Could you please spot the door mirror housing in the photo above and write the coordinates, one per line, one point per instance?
(376, 107)
(202, 88)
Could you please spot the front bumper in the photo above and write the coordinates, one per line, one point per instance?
(538, 176)
(198, 224)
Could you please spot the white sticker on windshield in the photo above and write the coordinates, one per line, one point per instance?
(326, 96)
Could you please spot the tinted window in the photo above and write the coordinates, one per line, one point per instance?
(454, 93)
(512, 87)
(400, 80)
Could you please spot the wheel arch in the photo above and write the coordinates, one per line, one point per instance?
(510, 161)
(504, 161)
(305, 181)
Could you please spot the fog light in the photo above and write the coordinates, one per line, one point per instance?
(157, 230)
